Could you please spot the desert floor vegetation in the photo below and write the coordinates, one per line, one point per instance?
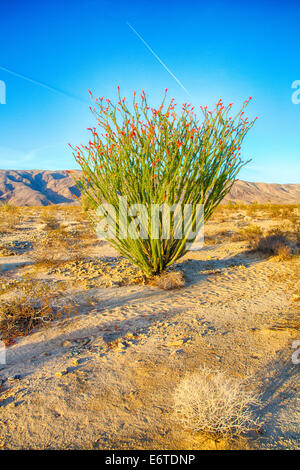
(153, 158)
(216, 406)
(9, 218)
(98, 356)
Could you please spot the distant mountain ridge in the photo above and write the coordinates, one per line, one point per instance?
(41, 187)
(37, 187)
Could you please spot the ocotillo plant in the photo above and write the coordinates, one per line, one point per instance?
(158, 156)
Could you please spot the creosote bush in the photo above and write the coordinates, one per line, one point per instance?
(215, 405)
(163, 157)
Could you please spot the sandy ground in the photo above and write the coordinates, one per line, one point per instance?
(104, 377)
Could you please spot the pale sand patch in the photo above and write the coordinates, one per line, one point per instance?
(104, 378)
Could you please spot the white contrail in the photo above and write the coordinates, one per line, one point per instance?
(43, 85)
(159, 60)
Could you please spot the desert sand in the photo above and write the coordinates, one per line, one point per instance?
(103, 376)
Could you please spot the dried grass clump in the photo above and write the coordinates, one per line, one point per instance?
(218, 406)
(169, 281)
(48, 218)
(250, 233)
(86, 203)
(219, 237)
(6, 251)
(57, 246)
(274, 244)
(252, 209)
(10, 217)
(33, 304)
(284, 253)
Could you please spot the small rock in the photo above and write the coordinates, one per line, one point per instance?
(120, 347)
(15, 377)
(180, 351)
(67, 344)
(178, 342)
(98, 341)
(61, 373)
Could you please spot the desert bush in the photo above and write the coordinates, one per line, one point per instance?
(33, 303)
(281, 211)
(230, 205)
(284, 252)
(7, 208)
(169, 280)
(211, 403)
(251, 233)
(273, 244)
(252, 209)
(10, 217)
(285, 213)
(50, 223)
(297, 234)
(48, 218)
(57, 245)
(86, 204)
(220, 237)
(156, 156)
(274, 211)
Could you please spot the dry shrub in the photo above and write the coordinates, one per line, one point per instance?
(56, 246)
(297, 234)
(215, 405)
(48, 218)
(33, 304)
(250, 234)
(6, 282)
(273, 244)
(284, 253)
(273, 211)
(10, 217)
(219, 237)
(75, 212)
(86, 203)
(285, 213)
(252, 209)
(169, 281)
(14, 248)
(50, 223)
(6, 251)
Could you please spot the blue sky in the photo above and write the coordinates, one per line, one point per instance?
(227, 49)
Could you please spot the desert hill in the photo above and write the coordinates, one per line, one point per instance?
(38, 187)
